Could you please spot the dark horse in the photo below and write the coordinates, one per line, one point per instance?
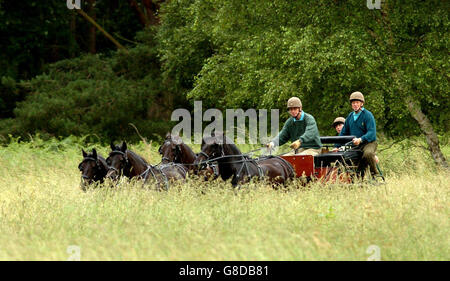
(175, 150)
(122, 161)
(240, 167)
(93, 168)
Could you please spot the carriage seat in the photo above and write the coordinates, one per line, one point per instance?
(336, 139)
(350, 157)
(332, 157)
(330, 141)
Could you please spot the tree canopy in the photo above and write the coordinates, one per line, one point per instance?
(229, 54)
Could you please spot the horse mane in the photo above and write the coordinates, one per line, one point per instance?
(136, 156)
(132, 153)
(228, 144)
(102, 160)
(177, 140)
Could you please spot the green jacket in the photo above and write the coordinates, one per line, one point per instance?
(305, 130)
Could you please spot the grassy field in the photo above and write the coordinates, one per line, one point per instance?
(43, 212)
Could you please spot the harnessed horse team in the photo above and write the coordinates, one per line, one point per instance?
(219, 156)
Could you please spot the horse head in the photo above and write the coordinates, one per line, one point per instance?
(93, 168)
(117, 161)
(217, 145)
(171, 149)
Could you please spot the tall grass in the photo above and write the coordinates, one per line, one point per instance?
(43, 211)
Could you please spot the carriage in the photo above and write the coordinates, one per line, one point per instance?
(329, 166)
(218, 151)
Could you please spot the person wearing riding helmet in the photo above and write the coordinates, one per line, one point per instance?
(338, 123)
(361, 123)
(300, 129)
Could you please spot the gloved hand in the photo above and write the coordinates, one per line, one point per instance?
(296, 144)
(356, 141)
(270, 145)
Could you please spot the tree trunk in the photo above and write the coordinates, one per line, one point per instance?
(413, 106)
(73, 33)
(92, 29)
(93, 22)
(427, 129)
(151, 8)
(139, 12)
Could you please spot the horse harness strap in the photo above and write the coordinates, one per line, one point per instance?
(204, 154)
(119, 152)
(260, 172)
(287, 164)
(120, 172)
(165, 158)
(180, 166)
(214, 168)
(150, 169)
(89, 158)
(144, 174)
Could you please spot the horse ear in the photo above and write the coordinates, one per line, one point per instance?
(168, 136)
(94, 153)
(124, 147)
(84, 153)
(113, 146)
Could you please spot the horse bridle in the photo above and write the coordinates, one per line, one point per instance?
(150, 168)
(208, 157)
(119, 171)
(177, 158)
(89, 159)
(144, 174)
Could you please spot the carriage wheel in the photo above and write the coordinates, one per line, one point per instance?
(346, 173)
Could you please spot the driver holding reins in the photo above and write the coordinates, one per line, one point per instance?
(361, 124)
(301, 129)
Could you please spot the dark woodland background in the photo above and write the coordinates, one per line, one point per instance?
(60, 75)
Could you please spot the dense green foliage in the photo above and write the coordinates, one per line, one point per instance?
(268, 51)
(95, 95)
(252, 54)
(35, 33)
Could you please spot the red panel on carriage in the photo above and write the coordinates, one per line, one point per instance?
(303, 164)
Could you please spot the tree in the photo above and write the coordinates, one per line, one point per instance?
(415, 40)
(95, 94)
(147, 12)
(263, 52)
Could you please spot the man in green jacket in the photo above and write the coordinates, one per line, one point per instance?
(300, 129)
